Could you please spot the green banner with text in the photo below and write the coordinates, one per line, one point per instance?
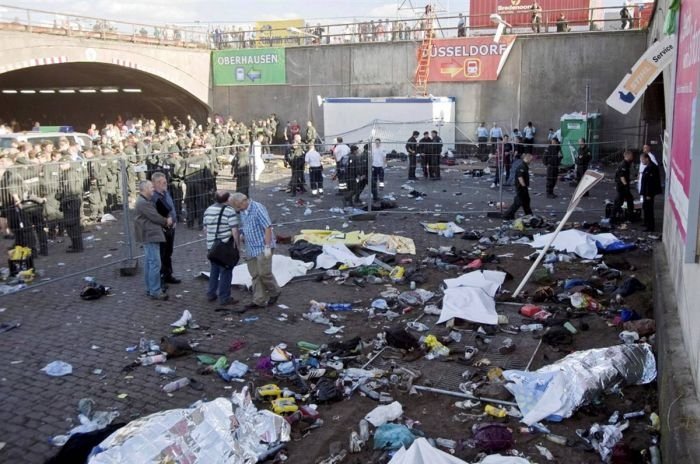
(254, 66)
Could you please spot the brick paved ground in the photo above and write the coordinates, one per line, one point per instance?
(58, 325)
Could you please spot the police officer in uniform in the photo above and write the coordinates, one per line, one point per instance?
(296, 162)
(552, 159)
(32, 207)
(412, 149)
(198, 177)
(72, 177)
(425, 149)
(623, 175)
(95, 179)
(50, 184)
(241, 166)
(176, 167)
(522, 184)
(11, 191)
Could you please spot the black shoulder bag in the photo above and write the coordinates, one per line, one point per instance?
(224, 254)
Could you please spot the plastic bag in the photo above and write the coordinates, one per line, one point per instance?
(58, 369)
(392, 436)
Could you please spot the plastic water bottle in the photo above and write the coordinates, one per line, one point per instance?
(155, 359)
(364, 430)
(531, 327)
(339, 307)
(176, 385)
(165, 370)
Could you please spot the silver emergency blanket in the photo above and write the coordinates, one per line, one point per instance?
(556, 391)
(219, 431)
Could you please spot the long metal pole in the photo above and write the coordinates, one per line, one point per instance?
(464, 395)
(125, 197)
(543, 252)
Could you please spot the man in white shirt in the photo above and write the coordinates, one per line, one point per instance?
(257, 156)
(313, 159)
(341, 151)
(378, 162)
(645, 149)
(482, 137)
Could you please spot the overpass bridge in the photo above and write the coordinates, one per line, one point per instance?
(76, 77)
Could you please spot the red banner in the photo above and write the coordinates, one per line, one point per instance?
(468, 59)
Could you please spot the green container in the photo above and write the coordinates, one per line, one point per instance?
(575, 126)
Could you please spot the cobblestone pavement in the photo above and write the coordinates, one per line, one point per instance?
(57, 325)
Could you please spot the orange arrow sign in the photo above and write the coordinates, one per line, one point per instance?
(452, 68)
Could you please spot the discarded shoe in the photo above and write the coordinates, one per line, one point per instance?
(469, 352)
(184, 319)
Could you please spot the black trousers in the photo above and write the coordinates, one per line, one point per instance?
(316, 177)
(34, 223)
(624, 195)
(522, 199)
(434, 166)
(483, 146)
(424, 164)
(175, 189)
(243, 181)
(71, 208)
(411, 166)
(552, 173)
(648, 211)
(166, 253)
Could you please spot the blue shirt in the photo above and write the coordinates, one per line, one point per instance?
(167, 200)
(254, 221)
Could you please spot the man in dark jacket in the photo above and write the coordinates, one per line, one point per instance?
(425, 149)
(434, 160)
(412, 150)
(522, 184)
(148, 228)
(552, 159)
(622, 187)
(72, 182)
(651, 186)
(166, 207)
(583, 159)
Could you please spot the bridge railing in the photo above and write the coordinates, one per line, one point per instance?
(220, 36)
(51, 22)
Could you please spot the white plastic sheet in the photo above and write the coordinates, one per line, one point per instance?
(420, 452)
(339, 253)
(575, 241)
(284, 269)
(489, 281)
(498, 459)
(470, 297)
(468, 303)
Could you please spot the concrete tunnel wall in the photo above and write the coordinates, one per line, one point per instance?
(188, 69)
(545, 76)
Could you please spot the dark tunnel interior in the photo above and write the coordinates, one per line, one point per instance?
(157, 98)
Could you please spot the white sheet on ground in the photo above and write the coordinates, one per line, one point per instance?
(420, 452)
(575, 241)
(490, 281)
(469, 303)
(284, 269)
(498, 459)
(339, 253)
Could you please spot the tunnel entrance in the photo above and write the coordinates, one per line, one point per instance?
(78, 94)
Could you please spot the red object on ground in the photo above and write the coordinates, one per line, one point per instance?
(530, 310)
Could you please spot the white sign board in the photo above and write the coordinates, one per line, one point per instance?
(643, 73)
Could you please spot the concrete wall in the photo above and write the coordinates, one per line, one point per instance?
(545, 76)
(187, 69)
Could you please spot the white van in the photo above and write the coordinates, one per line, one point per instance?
(84, 140)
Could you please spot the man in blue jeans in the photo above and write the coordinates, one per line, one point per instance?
(148, 227)
(256, 229)
(220, 222)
